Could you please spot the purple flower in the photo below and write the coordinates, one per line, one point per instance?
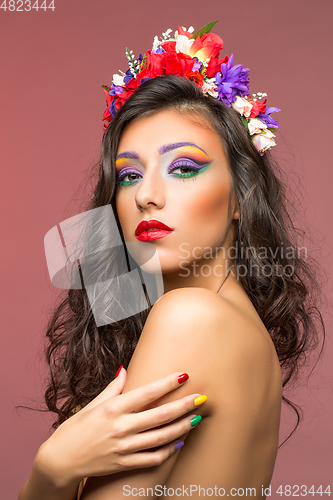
(270, 122)
(158, 51)
(115, 90)
(197, 65)
(232, 81)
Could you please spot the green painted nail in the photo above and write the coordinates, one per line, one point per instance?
(196, 420)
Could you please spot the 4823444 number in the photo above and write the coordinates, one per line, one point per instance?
(301, 491)
(26, 5)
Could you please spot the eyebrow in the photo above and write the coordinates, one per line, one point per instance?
(169, 147)
(128, 154)
(162, 150)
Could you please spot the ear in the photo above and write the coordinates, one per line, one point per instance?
(235, 207)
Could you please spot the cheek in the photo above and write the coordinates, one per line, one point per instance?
(209, 208)
(122, 206)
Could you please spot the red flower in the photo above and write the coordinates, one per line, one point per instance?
(107, 115)
(208, 45)
(155, 65)
(214, 66)
(131, 86)
(196, 77)
(183, 32)
(169, 46)
(258, 107)
(178, 63)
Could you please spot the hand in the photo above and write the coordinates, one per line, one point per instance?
(104, 437)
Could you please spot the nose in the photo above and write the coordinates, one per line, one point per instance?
(151, 191)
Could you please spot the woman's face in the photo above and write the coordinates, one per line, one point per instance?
(174, 170)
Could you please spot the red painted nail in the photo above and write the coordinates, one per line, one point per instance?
(118, 371)
(182, 378)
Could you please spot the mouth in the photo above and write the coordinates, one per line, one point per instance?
(152, 229)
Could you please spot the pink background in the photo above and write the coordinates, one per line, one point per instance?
(52, 66)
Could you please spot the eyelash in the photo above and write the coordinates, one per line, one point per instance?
(177, 164)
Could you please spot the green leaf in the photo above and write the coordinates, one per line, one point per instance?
(245, 122)
(106, 87)
(206, 29)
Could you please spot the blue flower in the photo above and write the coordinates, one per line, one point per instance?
(144, 80)
(128, 77)
(112, 108)
(232, 81)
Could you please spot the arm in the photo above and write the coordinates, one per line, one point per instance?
(179, 334)
(91, 442)
(41, 486)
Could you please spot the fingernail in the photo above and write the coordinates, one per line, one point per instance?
(182, 378)
(196, 420)
(199, 400)
(179, 445)
(118, 371)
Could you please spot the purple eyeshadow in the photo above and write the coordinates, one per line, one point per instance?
(186, 162)
(128, 170)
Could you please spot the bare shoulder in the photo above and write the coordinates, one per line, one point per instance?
(198, 331)
(230, 358)
(198, 313)
(192, 306)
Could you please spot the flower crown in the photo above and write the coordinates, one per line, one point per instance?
(196, 56)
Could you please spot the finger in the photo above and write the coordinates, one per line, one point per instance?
(160, 437)
(136, 398)
(114, 388)
(149, 458)
(154, 417)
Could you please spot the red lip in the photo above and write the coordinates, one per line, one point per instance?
(152, 224)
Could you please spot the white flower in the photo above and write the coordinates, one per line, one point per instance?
(264, 141)
(208, 87)
(256, 126)
(242, 106)
(156, 43)
(118, 80)
(183, 44)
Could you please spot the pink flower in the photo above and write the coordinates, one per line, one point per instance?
(183, 44)
(242, 106)
(256, 126)
(264, 141)
(208, 87)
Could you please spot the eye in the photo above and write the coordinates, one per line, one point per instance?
(187, 168)
(127, 178)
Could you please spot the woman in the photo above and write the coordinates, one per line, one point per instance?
(186, 171)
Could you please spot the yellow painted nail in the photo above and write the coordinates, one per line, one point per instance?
(199, 400)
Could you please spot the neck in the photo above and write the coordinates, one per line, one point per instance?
(208, 273)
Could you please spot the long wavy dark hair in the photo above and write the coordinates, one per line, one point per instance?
(83, 357)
